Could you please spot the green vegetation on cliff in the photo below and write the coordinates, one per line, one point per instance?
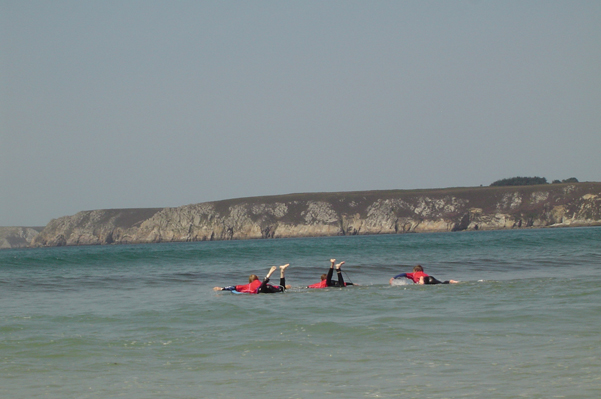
(530, 181)
(520, 181)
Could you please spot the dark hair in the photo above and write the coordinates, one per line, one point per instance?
(418, 268)
(324, 276)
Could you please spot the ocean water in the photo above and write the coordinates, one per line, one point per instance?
(142, 321)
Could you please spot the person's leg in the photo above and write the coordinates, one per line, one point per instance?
(431, 281)
(442, 282)
(340, 282)
(283, 276)
(266, 288)
(271, 271)
(329, 282)
(264, 285)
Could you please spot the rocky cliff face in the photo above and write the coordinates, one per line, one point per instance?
(17, 237)
(328, 214)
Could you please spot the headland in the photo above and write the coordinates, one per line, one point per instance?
(326, 214)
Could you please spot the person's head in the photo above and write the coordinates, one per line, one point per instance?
(323, 277)
(252, 278)
(418, 268)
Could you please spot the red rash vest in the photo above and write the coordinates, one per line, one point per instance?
(249, 288)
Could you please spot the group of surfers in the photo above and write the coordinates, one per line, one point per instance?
(256, 286)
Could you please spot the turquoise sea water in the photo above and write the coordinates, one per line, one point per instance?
(142, 321)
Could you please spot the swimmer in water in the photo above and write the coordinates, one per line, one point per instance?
(419, 277)
(326, 279)
(256, 286)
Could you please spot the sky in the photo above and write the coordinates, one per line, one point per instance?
(113, 104)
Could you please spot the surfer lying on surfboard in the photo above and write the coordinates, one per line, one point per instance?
(419, 277)
(256, 286)
(326, 279)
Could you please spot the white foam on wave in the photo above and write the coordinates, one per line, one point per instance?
(400, 282)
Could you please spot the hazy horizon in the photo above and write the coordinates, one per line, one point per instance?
(151, 104)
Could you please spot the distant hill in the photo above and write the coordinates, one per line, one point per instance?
(17, 237)
(331, 214)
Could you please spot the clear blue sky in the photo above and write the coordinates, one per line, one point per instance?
(126, 104)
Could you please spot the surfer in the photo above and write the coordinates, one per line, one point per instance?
(256, 286)
(326, 279)
(419, 277)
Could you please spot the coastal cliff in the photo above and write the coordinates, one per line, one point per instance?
(332, 214)
(18, 237)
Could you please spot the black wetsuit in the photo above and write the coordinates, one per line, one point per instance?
(267, 288)
(432, 280)
(334, 283)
